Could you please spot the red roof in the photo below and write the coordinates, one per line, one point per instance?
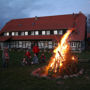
(50, 23)
(4, 38)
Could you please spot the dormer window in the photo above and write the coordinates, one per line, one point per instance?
(60, 32)
(32, 32)
(36, 33)
(6, 34)
(26, 33)
(22, 33)
(47, 32)
(13, 33)
(55, 32)
(43, 32)
(16, 33)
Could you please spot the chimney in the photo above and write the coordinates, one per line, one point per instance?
(36, 18)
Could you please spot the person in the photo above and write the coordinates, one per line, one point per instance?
(36, 49)
(35, 59)
(43, 58)
(24, 62)
(28, 56)
(5, 57)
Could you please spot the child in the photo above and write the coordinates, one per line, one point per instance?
(35, 59)
(43, 58)
(24, 62)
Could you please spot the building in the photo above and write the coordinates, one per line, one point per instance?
(45, 31)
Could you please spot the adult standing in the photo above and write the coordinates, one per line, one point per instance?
(36, 49)
(5, 57)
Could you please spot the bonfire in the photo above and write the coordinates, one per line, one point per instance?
(63, 62)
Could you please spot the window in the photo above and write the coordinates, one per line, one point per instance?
(60, 32)
(43, 32)
(20, 44)
(32, 32)
(16, 33)
(22, 33)
(73, 44)
(55, 32)
(13, 33)
(36, 33)
(26, 33)
(47, 32)
(50, 44)
(7, 33)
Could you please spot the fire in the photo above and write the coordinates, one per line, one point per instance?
(61, 55)
(63, 62)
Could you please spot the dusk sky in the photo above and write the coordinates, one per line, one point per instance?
(12, 9)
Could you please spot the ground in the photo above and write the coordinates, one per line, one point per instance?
(17, 77)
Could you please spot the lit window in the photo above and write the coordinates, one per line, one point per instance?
(22, 33)
(32, 32)
(43, 32)
(26, 33)
(7, 33)
(16, 33)
(55, 32)
(60, 32)
(13, 33)
(47, 32)
(36, 33)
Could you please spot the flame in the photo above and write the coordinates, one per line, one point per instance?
(60, 53)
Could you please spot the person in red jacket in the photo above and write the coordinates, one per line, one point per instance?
(36, 49)
(28, 56)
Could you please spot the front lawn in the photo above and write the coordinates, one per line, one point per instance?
(17, 77)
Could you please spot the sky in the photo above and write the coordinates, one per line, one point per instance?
(15, 9)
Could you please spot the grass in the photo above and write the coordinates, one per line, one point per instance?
(16, 77)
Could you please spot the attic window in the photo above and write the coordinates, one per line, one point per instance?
(26, 33)
(6, 34)
(22, 33)
(47, 32)
(55, 32)
(16, 33)
(36, 32)
(43, 32)
(32, 32)
(60, 32)
(13, 33)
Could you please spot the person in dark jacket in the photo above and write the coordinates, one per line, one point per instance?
(35, 59)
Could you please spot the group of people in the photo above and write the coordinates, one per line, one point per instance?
(28, 59)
